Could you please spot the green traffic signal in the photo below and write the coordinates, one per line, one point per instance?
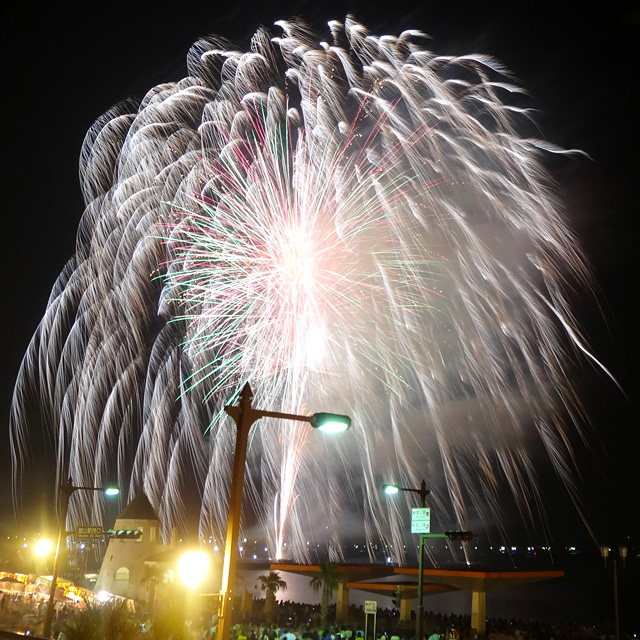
(126, 534)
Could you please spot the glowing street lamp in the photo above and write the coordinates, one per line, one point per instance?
(67, 490)
(423, 492)
(329, 422)
(193, 567)
(244, 415)
(43, 548)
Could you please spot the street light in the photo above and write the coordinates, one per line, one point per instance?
(193, 567)
(244, 415)
(67, 490)
(622, 555)
(43, 548)
(423, 492)
(42, 554)
(327, 422)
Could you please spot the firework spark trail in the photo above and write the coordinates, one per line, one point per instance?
(353, 226)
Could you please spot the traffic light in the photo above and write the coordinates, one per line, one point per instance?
(396, 598)
(126, 534)
(459, 535)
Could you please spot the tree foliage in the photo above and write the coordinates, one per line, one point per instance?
(113, 621)
(271, 583)
(326, 580)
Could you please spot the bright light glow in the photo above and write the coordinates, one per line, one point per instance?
(330, 422)
(193, 567)
(104, 596)
(43, 548)
(111, 491)
(390, 489)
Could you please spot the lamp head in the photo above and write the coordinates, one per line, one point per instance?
(193, 567)
(390, 489)
(111, 491)
(43, 547)
(330, 422)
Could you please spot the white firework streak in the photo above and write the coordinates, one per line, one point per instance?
(354, 227)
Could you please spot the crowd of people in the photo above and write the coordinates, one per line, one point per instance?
(295, 621)
(24, 612)
(298, 621)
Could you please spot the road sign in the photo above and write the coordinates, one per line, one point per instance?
(421, 520)
(89, 532)
(370, 608)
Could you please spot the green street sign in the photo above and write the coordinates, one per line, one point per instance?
(421, 520)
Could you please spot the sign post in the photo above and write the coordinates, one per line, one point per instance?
(420, 524)
(370, 608)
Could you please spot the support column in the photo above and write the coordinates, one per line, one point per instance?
(479, 611)
(405, 610)
(342, 603)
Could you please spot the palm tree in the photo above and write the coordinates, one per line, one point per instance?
(271, 583)
(118, 622)
(328, 580)
(83, 624)
(113, 621)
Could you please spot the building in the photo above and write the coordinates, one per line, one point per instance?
(136, 539)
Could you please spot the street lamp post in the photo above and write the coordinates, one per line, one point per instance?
(423, 492)
(244, 415)
(622, 551)
(67, 490)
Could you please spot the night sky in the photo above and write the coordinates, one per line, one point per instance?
(63, 68)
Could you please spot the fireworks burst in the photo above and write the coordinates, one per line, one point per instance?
(354, 227)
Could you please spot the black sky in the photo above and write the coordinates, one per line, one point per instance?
(64, 66)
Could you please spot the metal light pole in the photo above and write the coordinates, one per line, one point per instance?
(244, 416)
(66, 489)
(423, 492)
(623, 551)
